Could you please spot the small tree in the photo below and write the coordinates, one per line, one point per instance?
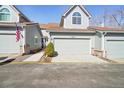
(49, 51)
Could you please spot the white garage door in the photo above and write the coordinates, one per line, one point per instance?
(8, 44)
(115, 48)
(72, 46)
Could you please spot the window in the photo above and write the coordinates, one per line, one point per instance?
(76, 18)
(35, 40)
(4, 14)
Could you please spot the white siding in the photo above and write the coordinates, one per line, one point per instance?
(84, 20)
(46, 34)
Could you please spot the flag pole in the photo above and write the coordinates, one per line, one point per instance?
(20, 46)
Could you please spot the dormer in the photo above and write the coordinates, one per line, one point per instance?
(76, 17)
(9, 13)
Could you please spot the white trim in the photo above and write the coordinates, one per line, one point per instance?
(90, 46)
(86, 11)
(24, 38)
(103, 42)
(72, 16)
(9, 13)
(68, 10)
(103, 45)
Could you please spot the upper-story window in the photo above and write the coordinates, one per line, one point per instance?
(4, 14)
(76, 18)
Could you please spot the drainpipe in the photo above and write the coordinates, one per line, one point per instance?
(24, 37)
(103, 43)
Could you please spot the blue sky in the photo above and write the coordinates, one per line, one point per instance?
(53, 13)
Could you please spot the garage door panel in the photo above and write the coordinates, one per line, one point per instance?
(115, 48)
(8, 44)
(72, 46)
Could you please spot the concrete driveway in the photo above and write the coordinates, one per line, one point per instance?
(78, 58)
(62, 75)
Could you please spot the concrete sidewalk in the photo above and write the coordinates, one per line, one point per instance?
(35, 57)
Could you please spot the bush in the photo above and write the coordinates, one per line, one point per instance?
(49, 51)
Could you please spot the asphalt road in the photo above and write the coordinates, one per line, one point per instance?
(68, 75)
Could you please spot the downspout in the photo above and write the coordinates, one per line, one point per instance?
(50, 38)
(103, 43)
(24, 37)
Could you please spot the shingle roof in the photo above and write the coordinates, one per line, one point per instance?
(50, 26)
(56, 27)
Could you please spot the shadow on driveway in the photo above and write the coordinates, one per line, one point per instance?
(2, 58)
(6, 62)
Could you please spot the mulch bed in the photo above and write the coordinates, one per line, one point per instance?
(46, 59)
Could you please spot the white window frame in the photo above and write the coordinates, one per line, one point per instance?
(36, 38)
(77, 17)
(6, 13)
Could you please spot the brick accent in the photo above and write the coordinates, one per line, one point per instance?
(97, 52)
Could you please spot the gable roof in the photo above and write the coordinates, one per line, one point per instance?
(71, 9)
(19, 12)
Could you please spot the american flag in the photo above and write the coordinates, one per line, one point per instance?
(18, 34)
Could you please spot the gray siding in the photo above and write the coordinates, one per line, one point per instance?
(32, 32)
(98, 41)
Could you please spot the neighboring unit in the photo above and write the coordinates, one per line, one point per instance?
(10, 19)
(110, 41)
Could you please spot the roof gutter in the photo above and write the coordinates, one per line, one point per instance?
(72, 31)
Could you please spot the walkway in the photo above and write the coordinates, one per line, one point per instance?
(35, 57)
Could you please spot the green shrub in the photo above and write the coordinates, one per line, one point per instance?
(49, 51)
